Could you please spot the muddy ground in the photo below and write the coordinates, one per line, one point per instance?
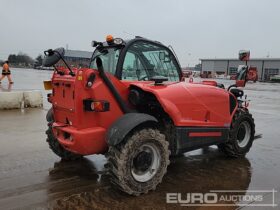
(32, 177)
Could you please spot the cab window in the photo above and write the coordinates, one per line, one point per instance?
(133, 68)
(109, 59)
(145, 60)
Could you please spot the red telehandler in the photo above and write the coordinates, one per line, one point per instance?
(132, 105)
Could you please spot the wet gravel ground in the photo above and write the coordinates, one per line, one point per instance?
(32, 177)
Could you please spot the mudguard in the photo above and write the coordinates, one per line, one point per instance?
(121, 127)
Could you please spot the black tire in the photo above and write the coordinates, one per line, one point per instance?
(170, 135)
(125, 161)
(56, 147)
(242, 125)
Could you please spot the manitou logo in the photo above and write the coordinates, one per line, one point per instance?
(223, 198)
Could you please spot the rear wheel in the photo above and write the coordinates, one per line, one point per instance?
(56, 147)
(138, 165)
(241, 135)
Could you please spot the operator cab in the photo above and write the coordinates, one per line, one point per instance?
(137, 59)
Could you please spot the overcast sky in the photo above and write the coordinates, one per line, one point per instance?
(195, 28)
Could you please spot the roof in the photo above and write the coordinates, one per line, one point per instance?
(77, 54)
(236, 59)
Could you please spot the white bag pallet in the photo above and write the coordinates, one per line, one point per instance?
(33, 98)
(21, 99)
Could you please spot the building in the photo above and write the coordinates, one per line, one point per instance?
(77, 58)
(266, 67)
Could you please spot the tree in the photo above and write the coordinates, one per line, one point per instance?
(12, 58)
(39, 60)
(21, 59)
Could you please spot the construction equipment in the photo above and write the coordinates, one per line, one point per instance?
(132, 105)
(252, 72)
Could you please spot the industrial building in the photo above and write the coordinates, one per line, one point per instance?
(266, 67)
(76, 58)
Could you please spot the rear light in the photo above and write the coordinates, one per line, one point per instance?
(96, 105)
(118, 41)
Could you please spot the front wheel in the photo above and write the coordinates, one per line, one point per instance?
(139, 164)
(241, 135)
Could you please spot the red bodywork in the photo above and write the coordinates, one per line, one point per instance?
(187, 104)
(252, 74)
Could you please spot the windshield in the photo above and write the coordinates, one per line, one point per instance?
(145, 60)
(109, 57)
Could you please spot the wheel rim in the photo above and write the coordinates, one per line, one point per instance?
(145, 163)
(243, 134)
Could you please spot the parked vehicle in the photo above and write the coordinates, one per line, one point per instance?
(252, 74)
(132, 105)
(275, 78)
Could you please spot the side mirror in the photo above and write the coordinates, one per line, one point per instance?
(167, 59)
(53, 56)
(161, 56)
(164, 57)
